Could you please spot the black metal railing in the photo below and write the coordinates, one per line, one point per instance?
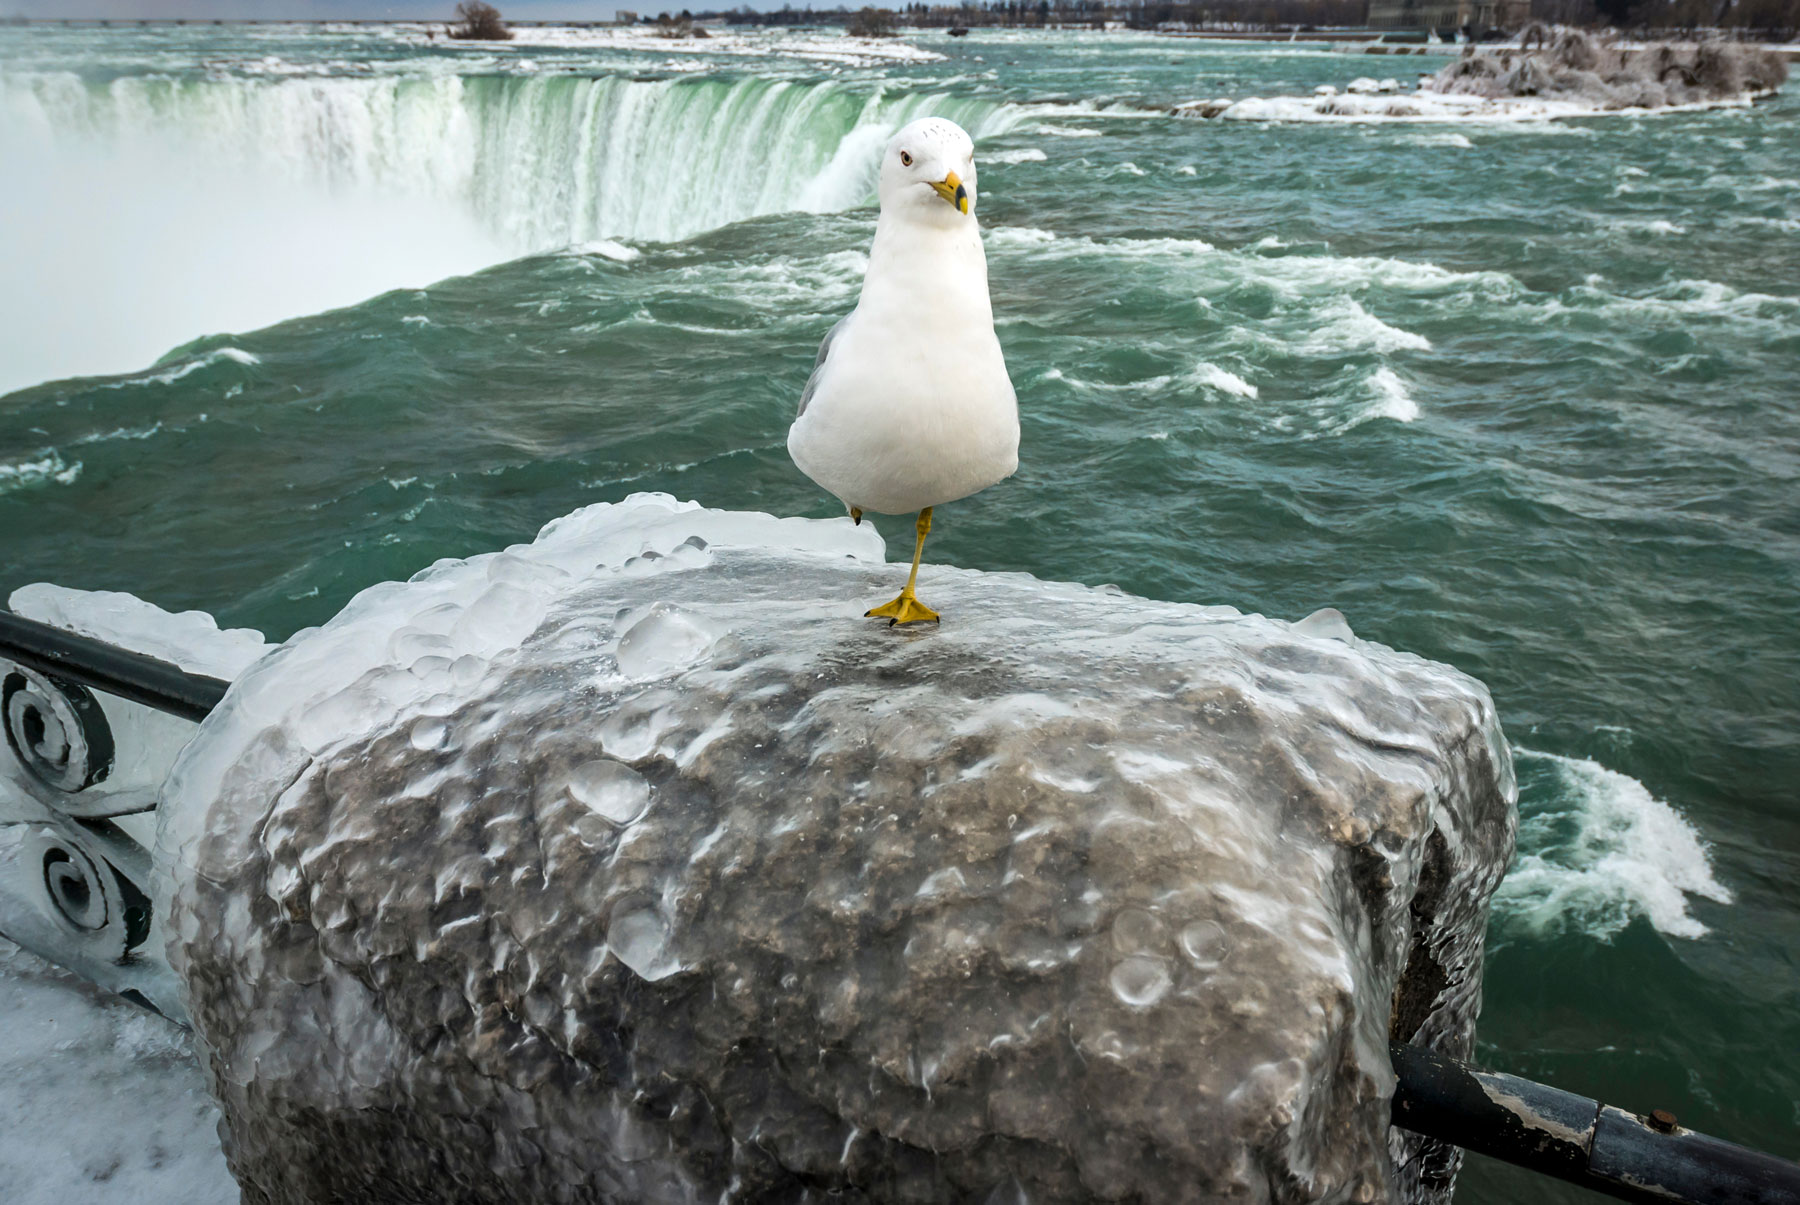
(101, 666)
(1649, 1159)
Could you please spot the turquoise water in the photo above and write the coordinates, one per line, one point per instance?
(1520, 397)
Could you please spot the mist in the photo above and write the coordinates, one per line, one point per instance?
(117, 254)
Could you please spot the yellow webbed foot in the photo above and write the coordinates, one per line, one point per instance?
(905, 609)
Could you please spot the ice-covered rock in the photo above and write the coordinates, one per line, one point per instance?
(1572, 67)
(634, 864)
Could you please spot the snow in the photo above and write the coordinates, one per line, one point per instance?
(721, 42)
(1441, 107)
(102, 1103)
(191, 640)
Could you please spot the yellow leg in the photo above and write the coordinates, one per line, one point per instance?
(856, 515)
(907, 608)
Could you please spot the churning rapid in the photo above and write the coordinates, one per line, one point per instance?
(290, 311)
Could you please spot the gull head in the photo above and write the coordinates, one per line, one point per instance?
(928, 174)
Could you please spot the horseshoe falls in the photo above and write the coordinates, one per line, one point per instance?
(272, 198)
(290, 311)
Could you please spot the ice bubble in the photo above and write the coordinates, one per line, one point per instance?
(1205, 943)
(1327, 623)
(428, 734)
(466, 670)
(358, 708)
(639, 938)
(664, 639)
(633, 732)
(1137, 932)
(427, 668)
(610, 789)
(439, 617)
(948, 881)
(411, 643)
(501, 618)
(1141, 981)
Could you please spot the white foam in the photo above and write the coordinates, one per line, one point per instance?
(1029, 154)
(1602, 851)
(1348, 327)
(50, 467)
(608, 249)
(1460, 141)
(1391, 400)
(126, 433)
(1381, 394)
(189, 366)
(1042, 245)
(1214, 377)
(1018, 236)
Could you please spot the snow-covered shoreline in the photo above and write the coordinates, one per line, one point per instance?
(1424, 107)
(720, 42)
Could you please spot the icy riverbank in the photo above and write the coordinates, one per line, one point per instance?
(1554, 74)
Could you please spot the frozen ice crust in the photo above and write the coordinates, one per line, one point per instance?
(633, 864)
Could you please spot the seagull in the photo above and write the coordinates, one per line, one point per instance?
(909, 405)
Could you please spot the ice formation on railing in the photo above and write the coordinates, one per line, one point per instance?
(80, 772)
(633, 863)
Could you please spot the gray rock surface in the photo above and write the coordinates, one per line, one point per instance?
(634, 865)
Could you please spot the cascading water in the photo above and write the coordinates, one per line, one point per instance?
(539, 162)
(254, 199)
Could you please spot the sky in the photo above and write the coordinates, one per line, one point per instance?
(529, 10)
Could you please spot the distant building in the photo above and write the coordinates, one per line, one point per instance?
(1448, 15)
(624, 16)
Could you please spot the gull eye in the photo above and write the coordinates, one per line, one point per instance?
(905, 158)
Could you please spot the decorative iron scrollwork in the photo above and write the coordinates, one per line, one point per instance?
(56, 729)
(73, 891)
(89, 891)
(80, 775)
(73, 884)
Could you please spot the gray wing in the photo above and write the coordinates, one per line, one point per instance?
(812, 382)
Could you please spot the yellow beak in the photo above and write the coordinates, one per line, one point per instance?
(951, 189)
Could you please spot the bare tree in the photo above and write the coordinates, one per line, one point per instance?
(871, 23)
(480, 23)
